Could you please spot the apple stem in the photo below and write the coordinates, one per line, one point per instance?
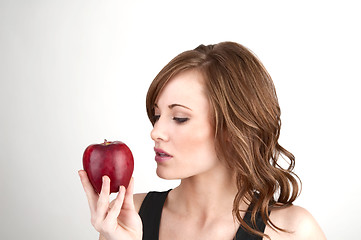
(105, 142)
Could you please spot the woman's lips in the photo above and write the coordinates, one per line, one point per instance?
(161, 155)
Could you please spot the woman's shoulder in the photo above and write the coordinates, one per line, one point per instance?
(299, 223)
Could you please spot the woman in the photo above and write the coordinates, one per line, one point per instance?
(216, 124)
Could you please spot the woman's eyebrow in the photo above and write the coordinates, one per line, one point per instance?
(178, 105)
(174, 105)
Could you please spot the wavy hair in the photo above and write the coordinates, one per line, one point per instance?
(246, 119)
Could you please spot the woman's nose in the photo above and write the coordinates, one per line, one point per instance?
(158, 132)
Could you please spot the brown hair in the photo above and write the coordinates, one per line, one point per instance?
(246, 118)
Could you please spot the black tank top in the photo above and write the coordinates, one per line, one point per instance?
(151, 212)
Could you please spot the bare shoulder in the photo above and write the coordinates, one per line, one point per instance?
(299, 223)
(138, 200)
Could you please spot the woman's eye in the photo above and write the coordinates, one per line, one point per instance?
(180, 120)
(156, 118)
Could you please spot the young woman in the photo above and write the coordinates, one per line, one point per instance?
(216, 124)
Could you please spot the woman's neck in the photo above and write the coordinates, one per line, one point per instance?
(206, 196)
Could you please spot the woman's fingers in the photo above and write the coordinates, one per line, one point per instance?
(102, 205)
(128, 198)
(117, 205)
(103, 201)
(104, 215)
(91, 195)
(128, 201)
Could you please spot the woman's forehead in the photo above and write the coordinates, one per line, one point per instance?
(185, 88)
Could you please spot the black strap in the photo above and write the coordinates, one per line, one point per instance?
(150, 212)
(242, 233)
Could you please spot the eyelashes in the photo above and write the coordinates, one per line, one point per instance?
(176, 119)
(180, 120)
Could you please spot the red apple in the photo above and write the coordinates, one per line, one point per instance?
(113, 159)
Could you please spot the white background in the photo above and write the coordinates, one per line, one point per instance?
(74, 72)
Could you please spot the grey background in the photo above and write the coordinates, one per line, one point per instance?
(75, 72)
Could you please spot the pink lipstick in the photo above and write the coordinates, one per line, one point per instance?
(161, 156)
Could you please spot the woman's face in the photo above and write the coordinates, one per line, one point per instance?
(183, 135)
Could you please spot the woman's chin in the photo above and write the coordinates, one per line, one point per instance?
(166, 174)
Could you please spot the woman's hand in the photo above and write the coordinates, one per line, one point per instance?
(117, 220)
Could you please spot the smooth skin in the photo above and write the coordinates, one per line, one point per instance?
(201, 206)
(113, 220)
